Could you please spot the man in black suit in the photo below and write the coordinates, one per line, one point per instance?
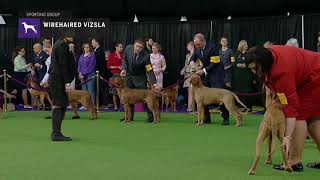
(135, 66)
(101, 66)
(61, 73)
(213, 72)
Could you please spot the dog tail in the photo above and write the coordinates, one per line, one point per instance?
(238, 100)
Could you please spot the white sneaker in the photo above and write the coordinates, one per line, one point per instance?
(27, 107)
(82, 108)
(69, 107)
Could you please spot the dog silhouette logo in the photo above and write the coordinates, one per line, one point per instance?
(29, 28)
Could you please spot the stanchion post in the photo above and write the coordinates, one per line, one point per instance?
(98, 91)
(5, 89)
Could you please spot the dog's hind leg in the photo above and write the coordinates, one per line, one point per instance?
(237, 115)
(269, 149)
(259, 141)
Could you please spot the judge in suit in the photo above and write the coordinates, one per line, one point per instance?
(39, 59)
(213, 73)
(135, 68)
(61, 73)
(100, 66)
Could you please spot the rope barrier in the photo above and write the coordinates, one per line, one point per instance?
(26, 85)
(110, 84)
(86, 81)
(42, 89)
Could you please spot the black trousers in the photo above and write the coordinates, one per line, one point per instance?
(59, 102)
(131, 85)
(225, 113)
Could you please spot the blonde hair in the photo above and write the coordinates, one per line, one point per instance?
(241, 45)
(157, 45)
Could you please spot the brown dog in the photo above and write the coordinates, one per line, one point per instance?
(169, 97)
(84, 98)
(272, 126)
(131, 96)
(206, 96)
(37, 93)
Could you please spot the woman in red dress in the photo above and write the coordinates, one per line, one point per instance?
(294, 74)
(114, 64)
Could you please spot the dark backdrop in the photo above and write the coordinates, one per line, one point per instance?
(173, 36)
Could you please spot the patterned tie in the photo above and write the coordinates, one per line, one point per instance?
(134, 58)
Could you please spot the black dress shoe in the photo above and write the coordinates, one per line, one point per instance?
(296, 168)
(225, 122)
(315, 165)
(75, 117)
(60, 137)
(48, 117)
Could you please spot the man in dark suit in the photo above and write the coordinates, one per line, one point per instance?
(61, 73)
(135, 66)
(212, 73)
(101, 66)
(39, 59)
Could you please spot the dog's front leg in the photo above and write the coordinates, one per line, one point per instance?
(285, 157)
(199, 107)
(126, 112)
(259, 141)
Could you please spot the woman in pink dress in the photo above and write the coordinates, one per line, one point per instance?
(158, 63)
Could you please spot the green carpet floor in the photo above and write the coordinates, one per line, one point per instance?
(106, 149)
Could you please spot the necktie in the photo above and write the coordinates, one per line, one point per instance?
(134, 57)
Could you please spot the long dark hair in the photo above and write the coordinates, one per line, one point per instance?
(260, 56)
(115, 44)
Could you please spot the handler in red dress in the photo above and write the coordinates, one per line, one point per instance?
(294, 74)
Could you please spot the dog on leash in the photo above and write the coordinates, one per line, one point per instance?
(271, 127)
(132, 96)
(84, 98)
(169, 97)
(37, 93)
(206, 96)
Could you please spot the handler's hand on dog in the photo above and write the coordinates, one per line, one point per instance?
(199, 72)
(123, 73)
(37, 65)
(156, 87)
(286, 144)
(68, 88)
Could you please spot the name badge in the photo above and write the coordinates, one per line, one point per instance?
(148, 67)
(233, 59)
(282, 98)
(215, 59)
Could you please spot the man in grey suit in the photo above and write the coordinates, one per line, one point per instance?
(135, 68)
